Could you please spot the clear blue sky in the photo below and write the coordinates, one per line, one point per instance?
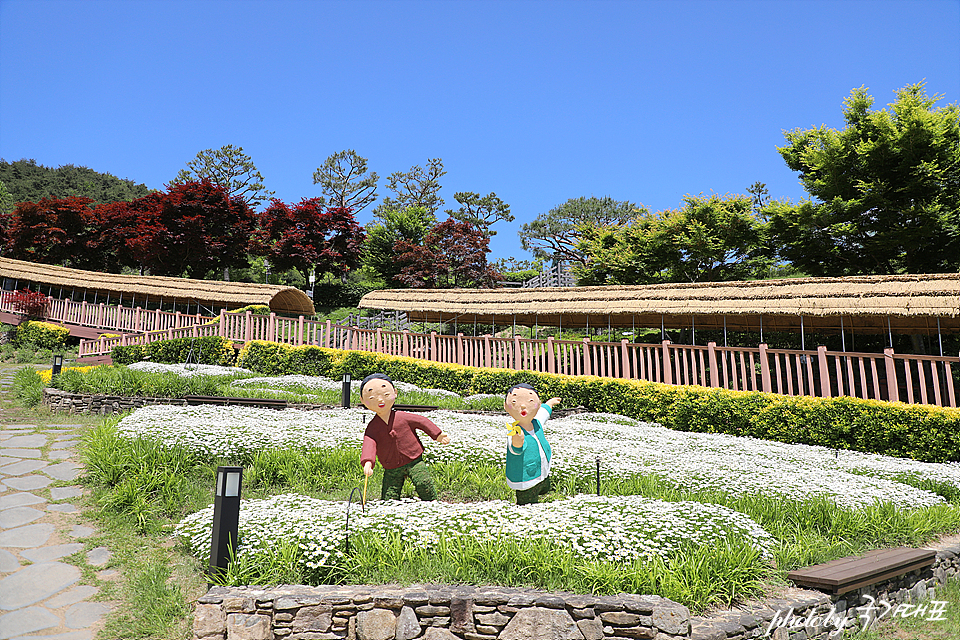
(539, 101)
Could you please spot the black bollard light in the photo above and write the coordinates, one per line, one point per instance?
(57, 364)
(226, 520)
(345, 393)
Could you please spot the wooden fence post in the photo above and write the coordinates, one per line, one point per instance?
(624, 360)
(824, 372)
(517, 360)
(666, 368)
(712, 358)
(460, 354)
(299, 340)
(587, 366)
(248, 327)
(326, 340)
(272, 328)
(764, 370)
(551, 357)
(434, 357)
(893, 389)
(486, 350)
(405, 347)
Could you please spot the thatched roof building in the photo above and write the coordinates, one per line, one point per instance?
(144, 291)
(904, 304)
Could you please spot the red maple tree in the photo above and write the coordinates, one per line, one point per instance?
(31, 304)
(53, 231)
(191, 229)
(309, 237)
(453, 254)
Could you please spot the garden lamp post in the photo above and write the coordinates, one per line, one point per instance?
(57, 364)
(345, 392)
(226, 519)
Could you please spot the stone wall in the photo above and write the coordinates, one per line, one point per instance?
(432, 613)
(65, 402)
(436, 612)
(71, 403)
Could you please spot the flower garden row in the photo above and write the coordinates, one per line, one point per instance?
(608, 528)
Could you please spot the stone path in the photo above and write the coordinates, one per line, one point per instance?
(41, 594)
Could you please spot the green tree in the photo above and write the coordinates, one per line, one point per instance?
(6, 200)
(28, 181)
(344, 181)
(555, 235)
(419, 187)
(481, 212)
(885, 190)
(230, 168)
(708, 239)
(409, 225)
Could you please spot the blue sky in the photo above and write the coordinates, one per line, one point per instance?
(539, 101)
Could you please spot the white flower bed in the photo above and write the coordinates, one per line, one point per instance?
(326, 384)
(690, 460)
(593, 527)
(290, 382)
(188, 370)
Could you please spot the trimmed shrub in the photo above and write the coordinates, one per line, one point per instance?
(255, 309)
(42, 334)
(207, 350)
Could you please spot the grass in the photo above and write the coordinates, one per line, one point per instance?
(27, 353)
(152, 487)
(140, 490)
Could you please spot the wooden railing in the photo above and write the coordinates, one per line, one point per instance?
(110, 318)
(818, 373)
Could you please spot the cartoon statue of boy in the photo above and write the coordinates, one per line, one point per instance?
(390, 438)
(528, 452)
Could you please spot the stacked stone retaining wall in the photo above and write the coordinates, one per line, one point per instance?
(63, 401)
(436, 612)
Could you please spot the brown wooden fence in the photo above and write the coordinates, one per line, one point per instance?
(817, 373)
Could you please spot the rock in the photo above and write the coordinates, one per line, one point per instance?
(621, 618)
(85, 614)
(244, 626)
(461, 615)
(672, 618)
(408, 627)
(35, 583)
(495, 619)
(376, 624)
(591, 629)
(28, 620)
(437, 633)
(313, 618)
(538, 623)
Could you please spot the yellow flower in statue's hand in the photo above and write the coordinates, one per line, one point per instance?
(514, 428)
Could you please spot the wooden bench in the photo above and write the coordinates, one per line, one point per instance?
(847, 574)
(268, 403)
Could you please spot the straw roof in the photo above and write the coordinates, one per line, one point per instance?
(909, 303)
(280, 299)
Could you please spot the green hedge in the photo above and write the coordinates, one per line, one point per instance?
(41, 334)
(921, 432)
(208, 350)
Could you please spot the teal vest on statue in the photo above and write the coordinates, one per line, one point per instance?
(529, 465)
